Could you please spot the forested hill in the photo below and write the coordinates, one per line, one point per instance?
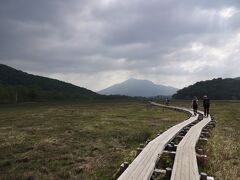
(221, 89)
(15, 84)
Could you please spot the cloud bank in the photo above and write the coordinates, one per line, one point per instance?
(95, 44)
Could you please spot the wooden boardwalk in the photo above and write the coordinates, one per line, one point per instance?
(185, 164)
(143, 165)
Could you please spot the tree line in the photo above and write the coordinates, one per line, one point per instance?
(219, 89)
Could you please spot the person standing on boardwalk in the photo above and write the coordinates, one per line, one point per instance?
(195, 105)
(167, 102)
(206, 105)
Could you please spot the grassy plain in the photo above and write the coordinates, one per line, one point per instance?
(223, 147)
(75, 140)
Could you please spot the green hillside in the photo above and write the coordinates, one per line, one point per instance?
(222, 89)
(21, 86)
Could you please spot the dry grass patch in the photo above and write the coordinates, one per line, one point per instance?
(75, 140)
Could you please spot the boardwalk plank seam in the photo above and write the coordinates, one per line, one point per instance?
(186, 150)
(143, 165)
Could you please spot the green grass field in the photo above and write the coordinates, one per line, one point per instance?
(75, 141)
(90, 140)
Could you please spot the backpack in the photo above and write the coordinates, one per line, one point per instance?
(194, 103)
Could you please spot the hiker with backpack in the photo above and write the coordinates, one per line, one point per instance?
(195, 105)
(206, 105)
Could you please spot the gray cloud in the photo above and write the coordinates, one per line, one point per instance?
(97, 43)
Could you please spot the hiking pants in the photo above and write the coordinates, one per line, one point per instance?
(206, 110)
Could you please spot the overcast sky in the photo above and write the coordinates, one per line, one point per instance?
(97, 43)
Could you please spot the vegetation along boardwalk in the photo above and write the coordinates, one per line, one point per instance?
(143, 165)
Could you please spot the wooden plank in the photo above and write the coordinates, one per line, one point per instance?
(143, 165)
(185, 163)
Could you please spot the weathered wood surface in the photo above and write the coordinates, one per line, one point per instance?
(143, 165)
(185, 164)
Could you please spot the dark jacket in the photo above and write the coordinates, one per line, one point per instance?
(195, 103)
(206, 102)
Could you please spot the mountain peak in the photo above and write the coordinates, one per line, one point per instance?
(138, 87)
(134, 80)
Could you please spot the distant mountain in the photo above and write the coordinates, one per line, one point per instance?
(27, 87)
(136, 87)
(237, 78)
(219, 88)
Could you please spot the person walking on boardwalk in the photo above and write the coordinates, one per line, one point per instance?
(195, 105)
(206, 105)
